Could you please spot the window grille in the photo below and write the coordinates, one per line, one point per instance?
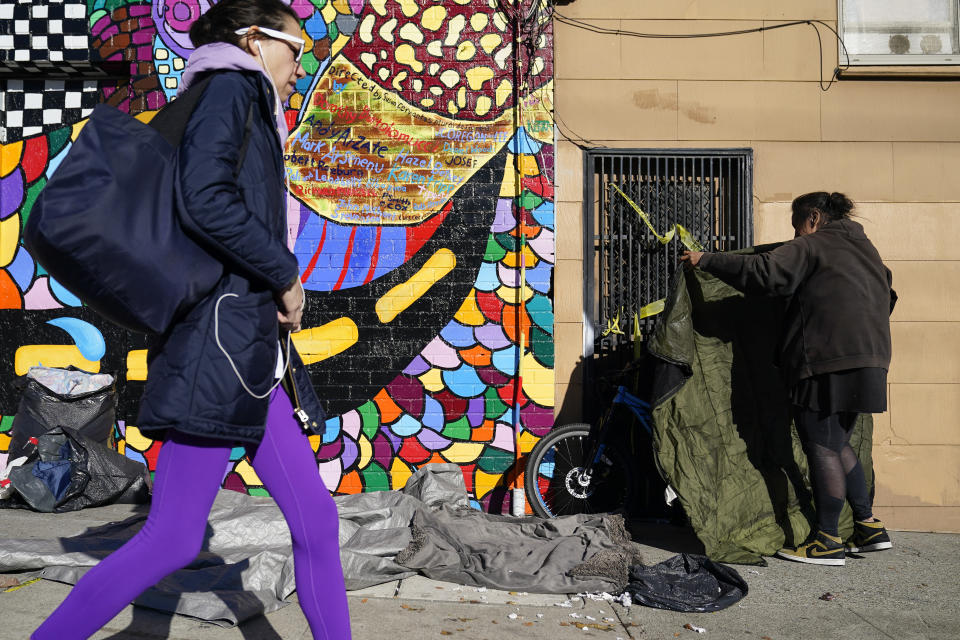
(707, 191)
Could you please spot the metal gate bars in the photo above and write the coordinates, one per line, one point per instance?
(707, 191)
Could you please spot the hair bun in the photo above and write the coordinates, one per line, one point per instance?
(840, 205)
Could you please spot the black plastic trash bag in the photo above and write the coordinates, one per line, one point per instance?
(69, 471)
(69, 397)
(686, 582)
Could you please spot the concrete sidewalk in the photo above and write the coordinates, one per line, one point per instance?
(908, 592)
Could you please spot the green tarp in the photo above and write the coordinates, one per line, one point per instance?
(723, 436)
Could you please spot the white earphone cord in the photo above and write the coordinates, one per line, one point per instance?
(216, 336)
(276, 115)
(216, 310)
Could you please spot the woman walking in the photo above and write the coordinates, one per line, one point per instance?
(215, 376)
(835, 352)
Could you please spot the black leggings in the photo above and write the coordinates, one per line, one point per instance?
(835, 470)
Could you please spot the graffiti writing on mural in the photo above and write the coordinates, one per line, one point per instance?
(352, 126)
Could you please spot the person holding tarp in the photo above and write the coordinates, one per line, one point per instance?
(214, 376)
(834, 355)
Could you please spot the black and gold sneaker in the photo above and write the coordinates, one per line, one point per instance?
(820, 548)
(868, 536)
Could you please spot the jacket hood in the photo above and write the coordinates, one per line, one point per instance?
(845, 225)
(222, 56)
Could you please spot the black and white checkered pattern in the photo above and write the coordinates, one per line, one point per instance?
(41, 40)
(44, 37)
(32, 107)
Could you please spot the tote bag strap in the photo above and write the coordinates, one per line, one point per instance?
(171, 121)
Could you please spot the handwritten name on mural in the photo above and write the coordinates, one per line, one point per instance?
(351, 116)
(311, 140)
(539, 126)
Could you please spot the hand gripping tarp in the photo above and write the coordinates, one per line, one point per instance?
(723, 435)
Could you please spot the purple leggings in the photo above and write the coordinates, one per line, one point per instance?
(189, 472)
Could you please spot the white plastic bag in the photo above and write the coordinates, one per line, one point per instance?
(6, 488)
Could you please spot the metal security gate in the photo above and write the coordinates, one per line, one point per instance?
(707, 191)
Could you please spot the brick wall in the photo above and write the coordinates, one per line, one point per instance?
(420, 166)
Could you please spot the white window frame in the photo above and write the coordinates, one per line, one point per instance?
(875, 59)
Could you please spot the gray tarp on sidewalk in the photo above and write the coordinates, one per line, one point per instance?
(246, 566)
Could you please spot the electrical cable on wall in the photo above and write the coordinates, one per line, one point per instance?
(573, 22)
(579, 24)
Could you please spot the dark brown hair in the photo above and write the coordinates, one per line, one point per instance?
(220, 22)
(833, 206)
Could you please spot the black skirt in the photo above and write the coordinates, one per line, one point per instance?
(852, 390)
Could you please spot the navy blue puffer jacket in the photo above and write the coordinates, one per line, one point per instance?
(192, 386)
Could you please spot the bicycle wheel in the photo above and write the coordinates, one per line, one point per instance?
(555, 482)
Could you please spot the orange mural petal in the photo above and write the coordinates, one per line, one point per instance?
(477, 356)
(350, 483)
(512, 315)
(9, 293)
(484, 433)
(389, 411)
(531, 231)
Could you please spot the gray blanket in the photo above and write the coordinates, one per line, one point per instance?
(246, 566)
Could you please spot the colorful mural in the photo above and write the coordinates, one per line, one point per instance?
(420, 208)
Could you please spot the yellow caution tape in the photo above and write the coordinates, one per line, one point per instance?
(651, 309)
(22, 585)
(686, 238)
(613, 326)
(647, 310)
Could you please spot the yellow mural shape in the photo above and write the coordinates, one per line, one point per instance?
(135, 439)
(51, 355)
(469, 313)
(476, 76)
(77, 128)
(363, 155)
(509, 185)
(340, 43)
(433, 17)
(9, 239)
(10, 157)
(326, 341)
(4, 442)
(512, 259)
(528, 165)
(399, 474)
(409, 7)
(432, 380)
(526, 442)
(137, 365)
(329, 13)
(463, 452)
(366, 451)
(484, 482)
(537, 381)
(406, 293)
(247, 474)
(514, 294)
(405, 54)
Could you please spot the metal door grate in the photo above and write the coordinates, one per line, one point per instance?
(708, 191)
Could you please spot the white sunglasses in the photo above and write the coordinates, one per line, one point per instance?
(279, 35)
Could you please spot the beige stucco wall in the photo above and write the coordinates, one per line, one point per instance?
(893, 146)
